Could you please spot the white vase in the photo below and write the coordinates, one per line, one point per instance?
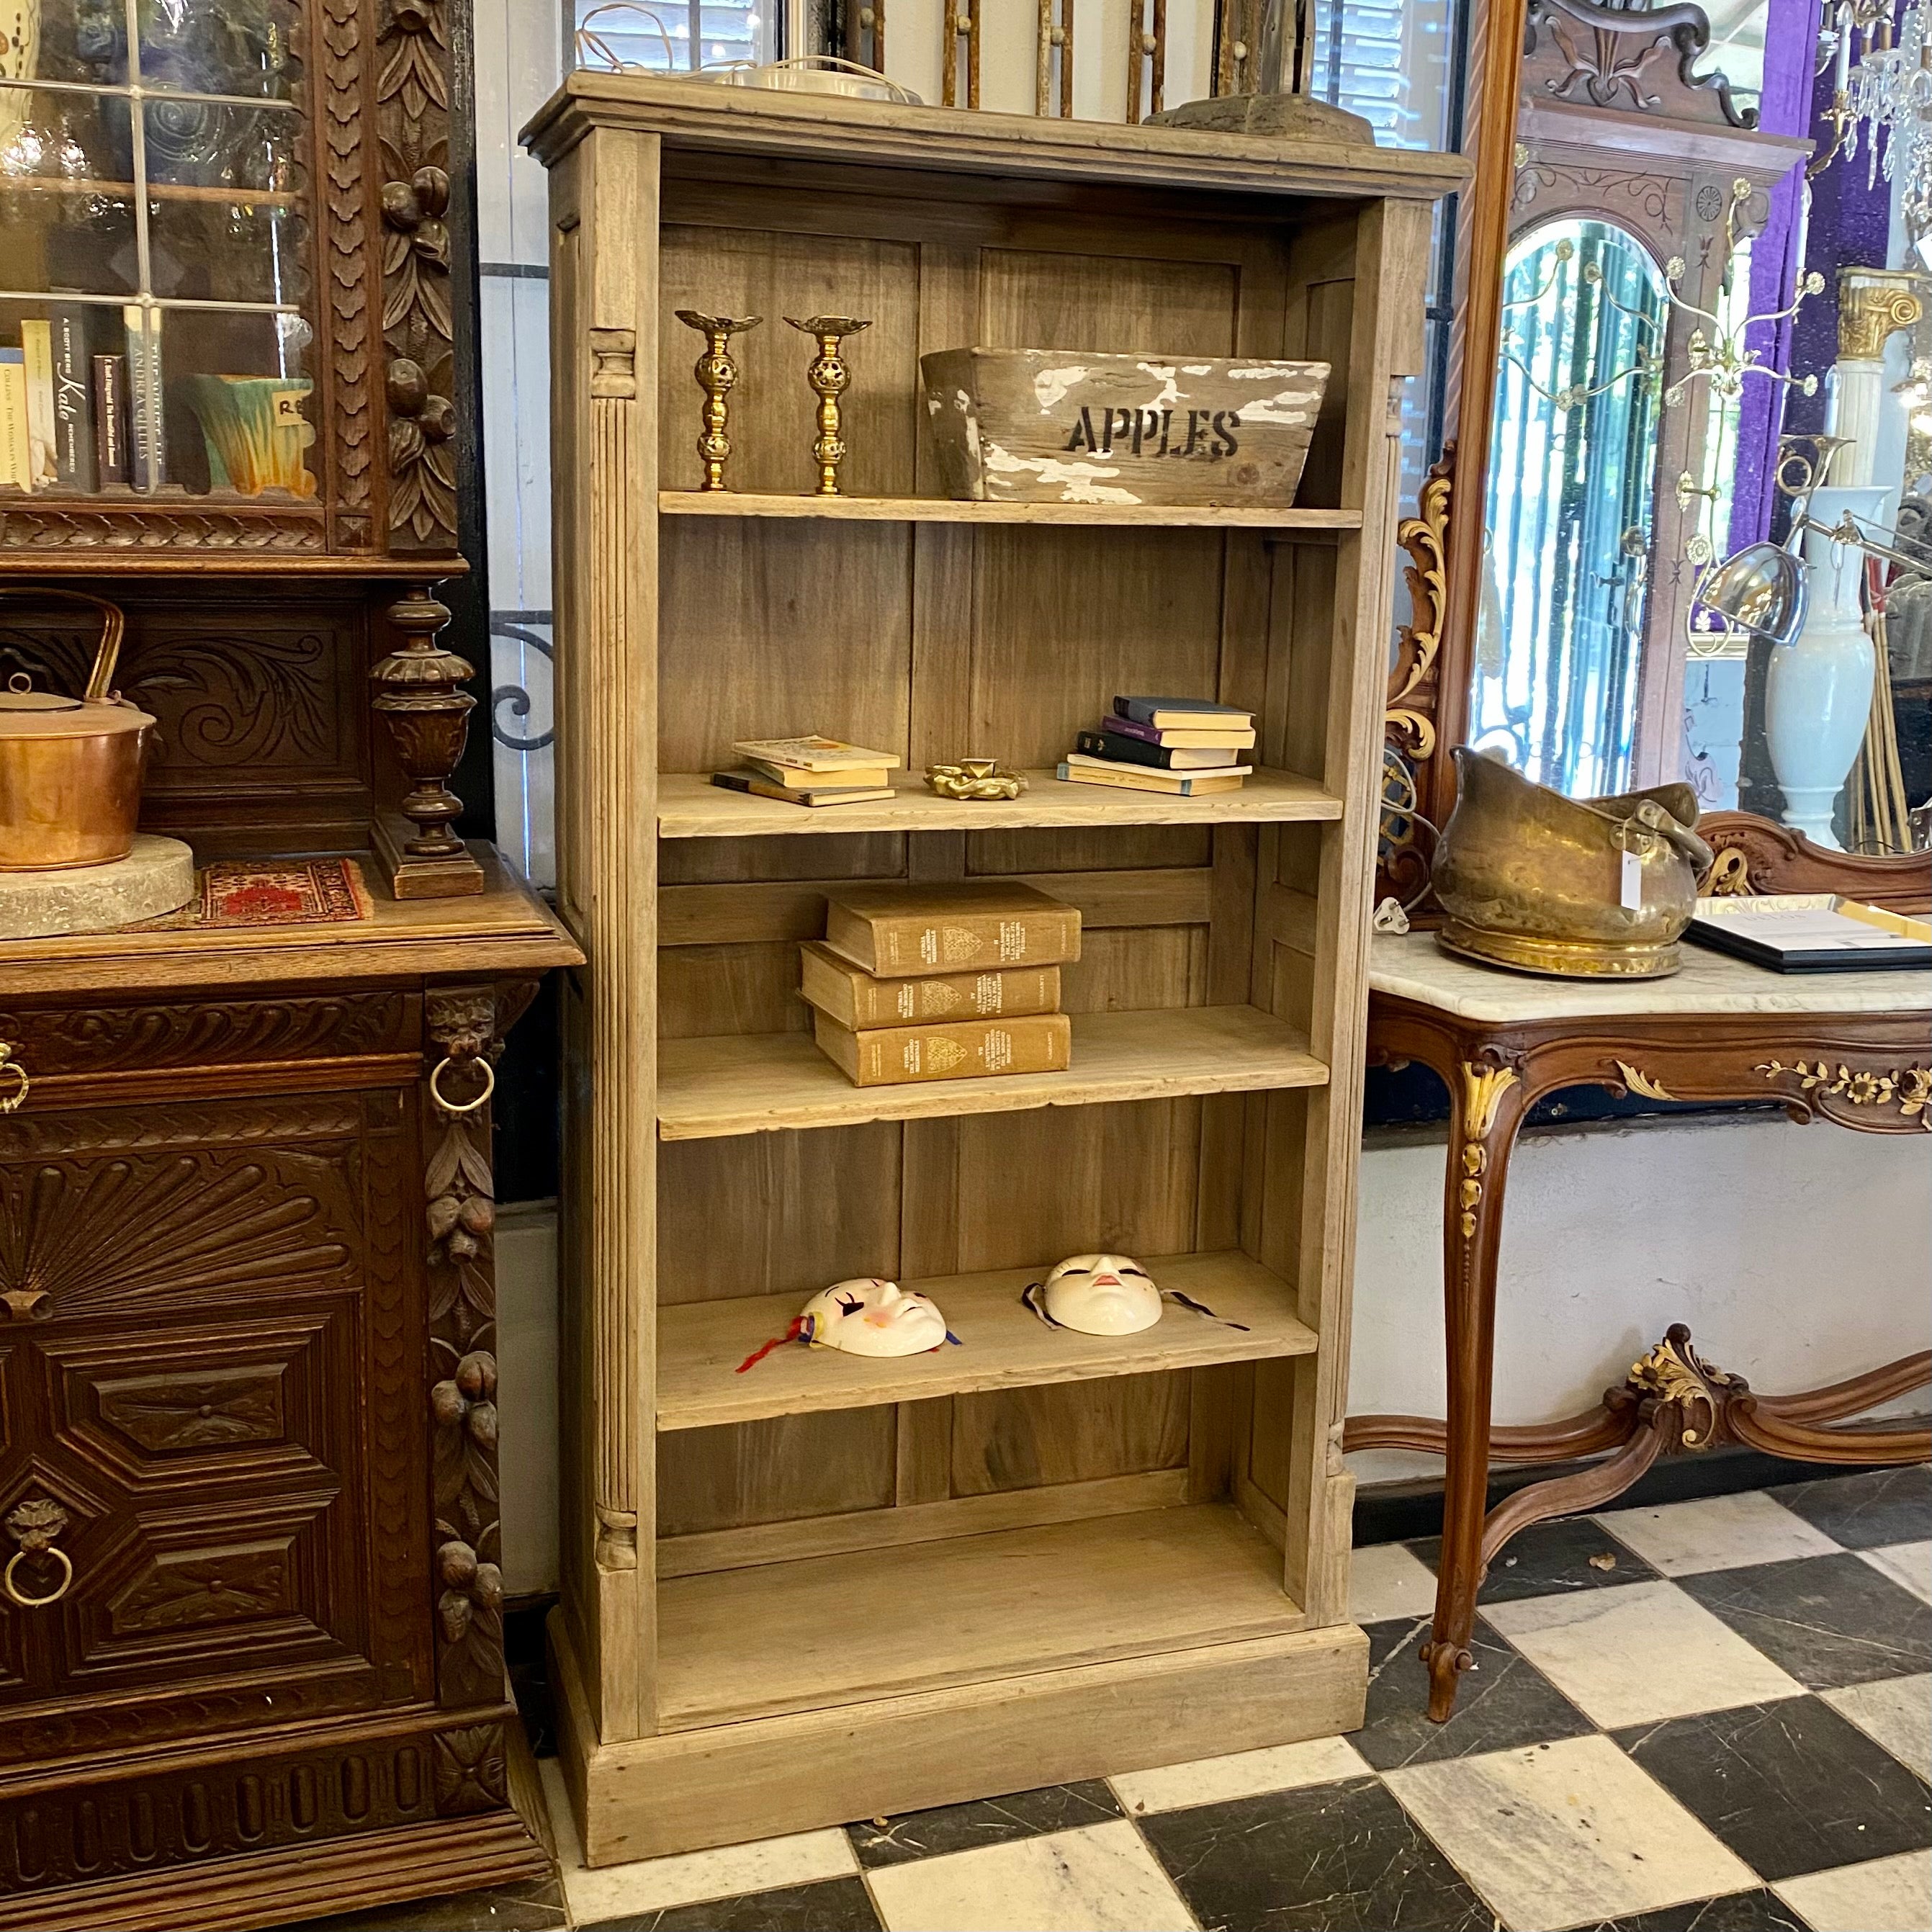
(1818, 691)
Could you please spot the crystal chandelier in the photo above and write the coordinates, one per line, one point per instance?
(1883, 101)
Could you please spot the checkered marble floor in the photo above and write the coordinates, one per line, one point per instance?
(1711, 1717)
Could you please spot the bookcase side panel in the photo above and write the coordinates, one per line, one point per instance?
(1386, 349)
(605, 202)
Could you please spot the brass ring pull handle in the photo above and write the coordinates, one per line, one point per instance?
(8, 1064)
(448, 1106)
(54, 1595)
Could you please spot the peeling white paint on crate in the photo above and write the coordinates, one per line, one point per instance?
(1046, 425)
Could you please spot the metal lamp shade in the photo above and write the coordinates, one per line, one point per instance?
(1761, 590)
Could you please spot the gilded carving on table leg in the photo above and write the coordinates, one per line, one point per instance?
(1483, 1087)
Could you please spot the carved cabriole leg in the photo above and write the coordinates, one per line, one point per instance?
(419, 696)
(466, 1025)
(1487, 1101)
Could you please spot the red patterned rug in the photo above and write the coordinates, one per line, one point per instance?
(251, 891)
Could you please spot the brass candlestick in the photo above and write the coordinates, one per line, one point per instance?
(828, 376)
(716, 373)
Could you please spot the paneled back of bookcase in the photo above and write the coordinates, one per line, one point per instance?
(937, 640)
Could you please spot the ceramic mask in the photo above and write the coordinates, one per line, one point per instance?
(1101, 1294)
(873, 1318)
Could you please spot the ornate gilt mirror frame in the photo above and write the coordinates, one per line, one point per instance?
(1578, 107)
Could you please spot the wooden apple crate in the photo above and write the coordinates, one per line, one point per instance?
(1074, 426)
(826, 1588)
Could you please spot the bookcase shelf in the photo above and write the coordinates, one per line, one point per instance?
(1003, 1344)
(757, 1083)
(690, 806)
(831, 1586)
(878, 1623)
(947, 510)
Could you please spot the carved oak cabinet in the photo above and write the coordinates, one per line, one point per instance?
(250, 1636)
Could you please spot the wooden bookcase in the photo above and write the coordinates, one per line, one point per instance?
(807, 1593)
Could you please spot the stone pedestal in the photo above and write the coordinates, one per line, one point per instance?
(158, 876)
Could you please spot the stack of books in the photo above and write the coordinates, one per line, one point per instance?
(811, 771)
(1184, 746)
(941, 981)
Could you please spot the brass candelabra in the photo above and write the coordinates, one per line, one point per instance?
(828, 376)
(716, 374)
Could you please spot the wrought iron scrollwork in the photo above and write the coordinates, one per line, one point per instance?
(514, 696)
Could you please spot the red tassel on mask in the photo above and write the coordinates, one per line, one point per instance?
(758, 1355)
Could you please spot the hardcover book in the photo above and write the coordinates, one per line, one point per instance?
(759, 786)
(856, 999)
(1123, 750)
(902, 932)
(794, 779)
(76, 466)
(1183, 713)
(15, 455)
(1232, 738)
(1128, 778)
(110, 420)
(147, 445)
(37, 349)
(961, 1050)
(813, 753)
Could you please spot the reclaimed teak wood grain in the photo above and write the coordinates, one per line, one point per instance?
(247, 1376)
(1115, 1553)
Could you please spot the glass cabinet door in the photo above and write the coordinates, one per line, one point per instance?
(155, 286)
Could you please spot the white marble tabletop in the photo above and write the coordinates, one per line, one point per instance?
(1412, 966)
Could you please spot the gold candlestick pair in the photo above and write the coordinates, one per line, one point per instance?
(716, 373)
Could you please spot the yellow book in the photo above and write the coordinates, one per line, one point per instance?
(36, 346)
(963, 1050)
(902, 932)
(861, 1001)
(16, 456)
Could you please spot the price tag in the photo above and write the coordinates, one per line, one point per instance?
(1631, 873)
(288, 408)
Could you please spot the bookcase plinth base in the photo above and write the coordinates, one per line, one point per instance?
(724, 1784)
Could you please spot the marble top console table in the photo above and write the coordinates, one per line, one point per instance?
(1851, 1047)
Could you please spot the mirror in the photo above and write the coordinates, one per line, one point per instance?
(1572, 492)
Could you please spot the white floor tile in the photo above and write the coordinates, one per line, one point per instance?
(1716, 1533)
(1907, 1563)
(1100, 1879)
(1385, 1580)
(1887, 1895)
(1895, 1713)
(1568, 1834)
(1209, 1780)
(1639, 1653)
(653, 1885)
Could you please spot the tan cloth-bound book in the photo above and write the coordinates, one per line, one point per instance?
(902, 932)
(854, 998)
(962, 1050)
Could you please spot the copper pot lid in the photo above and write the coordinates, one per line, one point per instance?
(25, 712)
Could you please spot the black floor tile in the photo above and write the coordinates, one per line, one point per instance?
(832, 1905)
(1505, 1702)
(1759, 1911)
(1866, 1512)
(536, 1905)
(1829, 1620)
(1790, 1787)
(1332, 1858)
(1549, 1559)
(989, 1821)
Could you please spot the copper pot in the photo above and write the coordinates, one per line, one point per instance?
(70, 767)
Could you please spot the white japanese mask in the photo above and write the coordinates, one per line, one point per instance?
(1098, 1294)
(872, 1318)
